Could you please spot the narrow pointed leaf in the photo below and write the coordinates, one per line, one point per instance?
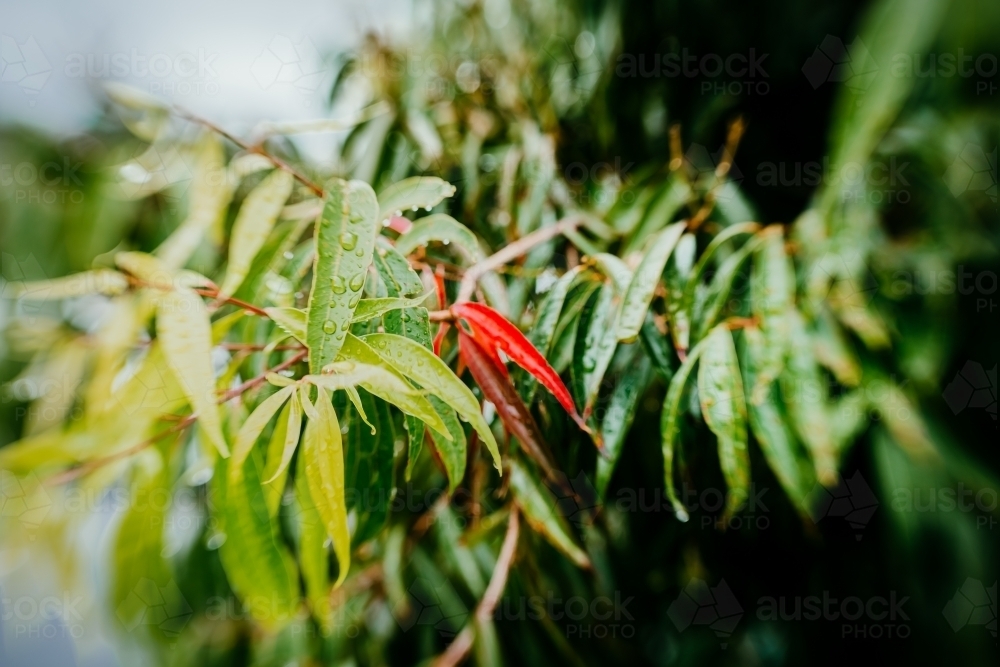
(253, 224)
(371, 308)
(618, 418)
(251, 429)
(345, 240)
(284, 442)
(723, 405)
(98, 281)
(644, 281)
(324, 464)
(670, 425)
(498, 390)
(444, 229)
(541, 512)
(291, 320)
(413, 193)
(494, 332)
(430, 372)
(314, 555)
(773, 294)
(186, 338)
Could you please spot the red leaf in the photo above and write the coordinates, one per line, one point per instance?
(499, 391)
(398, 223)
(493, 332)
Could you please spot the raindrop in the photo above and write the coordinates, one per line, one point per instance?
(329, 326)
(358, 281)
(337, 285)
(348, 240)
(354, 300)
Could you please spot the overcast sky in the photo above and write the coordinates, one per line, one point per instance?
(235, 62)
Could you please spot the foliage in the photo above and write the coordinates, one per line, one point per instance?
(296, 345)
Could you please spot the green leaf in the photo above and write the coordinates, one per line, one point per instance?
(674, 194)
(371, 308)
(596, 342)
(251, 429)
(293, 321)
(413, 193)
(540, 511)
(430, 372)
(98, 281)
(720, 288)
(670, 425)
(253, 224)
(444, 229)
(644, 281)
(323, 450)
(345, 240)
(805, 393)
(619, 414)
(723, 405)
(454, 452)
(259, 569)
(211, 192)
(678, 270)
(314, 555)
(281, 447)
(399, 278)
(773, 295)
(369, 466)
(185, 336)
(139, 566)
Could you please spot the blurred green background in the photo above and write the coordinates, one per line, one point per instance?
(636, 69)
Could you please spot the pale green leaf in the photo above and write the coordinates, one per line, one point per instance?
(345, 240)
(723, 405)
(98, 281)
(412, 194)
(430, 372)
(444, 229)
(293, 321)
(251, 429)
(253, 223)
(644, 281)
(324, 464)
(185, 336)
(371, 308)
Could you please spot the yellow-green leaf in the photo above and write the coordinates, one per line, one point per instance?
(185, 336)
(291, 320)
(644, 281)
(345, 240)
(324, 463)
(413, 193)
(251, 429)
(369, 309)
(430, 372)
(98, 281)
(253, 223)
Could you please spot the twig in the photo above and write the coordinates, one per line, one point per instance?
(736, 129)
(94, 464)
(459, 649)
(520, 247)
(260, 150)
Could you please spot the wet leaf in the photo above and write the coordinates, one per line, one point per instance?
(253, 224)
(185, 336)
(417, 192)
(541, 512)
(430, 372)
(323, 450)
(345, 240)
(644, 281)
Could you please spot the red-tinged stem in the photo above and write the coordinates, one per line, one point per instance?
(459, 649)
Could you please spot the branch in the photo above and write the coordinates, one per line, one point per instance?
(511, 252)
(94, 464)
(459, 649)
(260, 150)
